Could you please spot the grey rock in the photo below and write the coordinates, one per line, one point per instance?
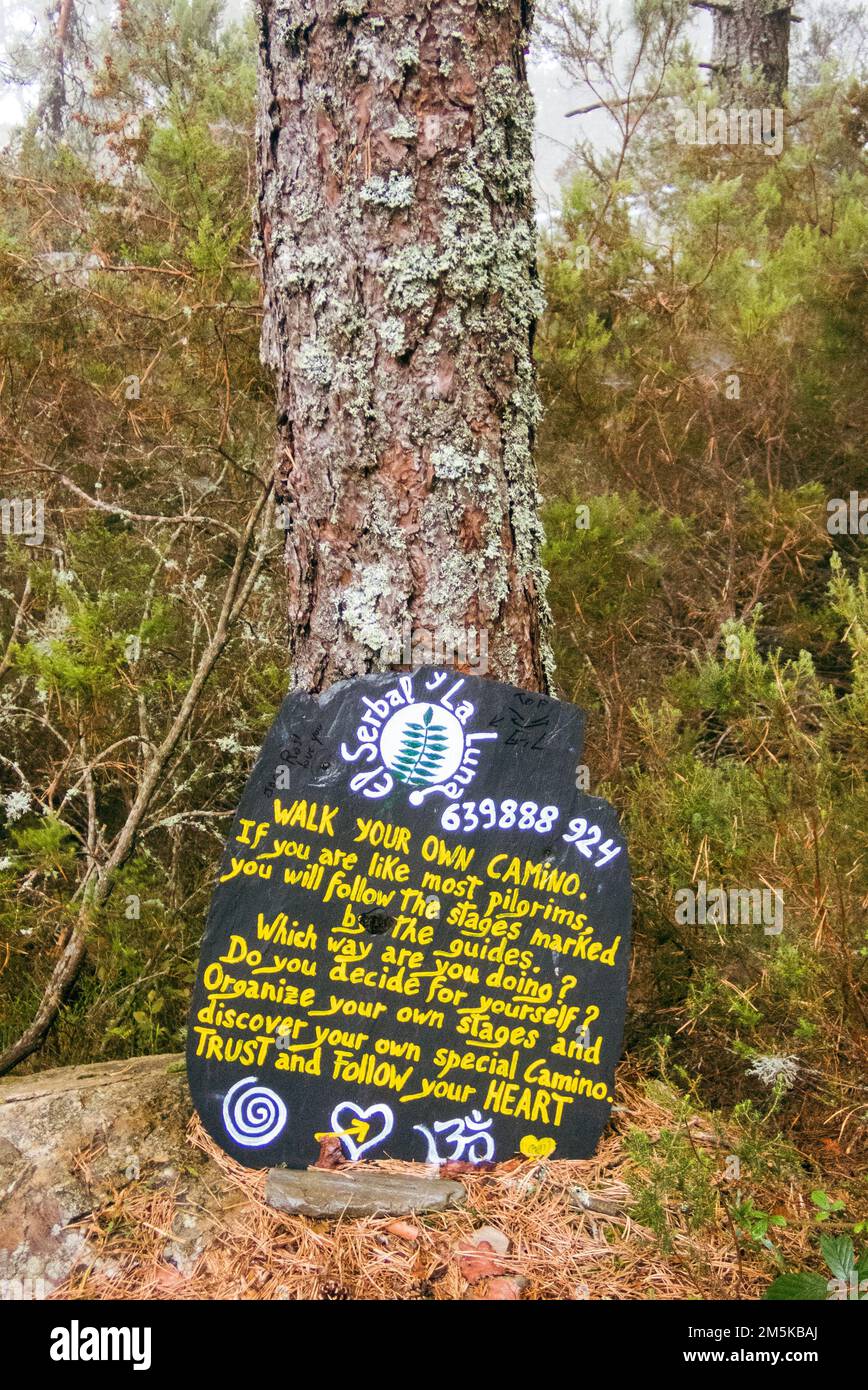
(68, 269)
(357, 1192)
(71, 1137)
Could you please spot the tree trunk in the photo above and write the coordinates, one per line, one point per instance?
(750, 47)
(396, 237)
(53, 100)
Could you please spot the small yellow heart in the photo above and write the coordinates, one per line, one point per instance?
(532, 1147)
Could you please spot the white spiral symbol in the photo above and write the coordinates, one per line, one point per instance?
(255, 1118)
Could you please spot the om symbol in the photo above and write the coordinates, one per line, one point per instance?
(468, 1137)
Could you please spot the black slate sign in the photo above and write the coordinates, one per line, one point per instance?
(419, 937)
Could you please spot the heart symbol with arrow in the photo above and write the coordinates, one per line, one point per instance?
(352, 1125)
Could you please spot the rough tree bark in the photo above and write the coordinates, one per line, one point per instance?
(397, 243)
(750, 47)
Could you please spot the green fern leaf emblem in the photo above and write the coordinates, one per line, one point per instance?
(421, 752)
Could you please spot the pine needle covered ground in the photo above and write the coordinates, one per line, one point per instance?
(664, 1222)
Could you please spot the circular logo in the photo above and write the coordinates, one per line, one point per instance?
(422, 744)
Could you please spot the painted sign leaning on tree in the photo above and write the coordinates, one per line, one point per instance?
(419, 939)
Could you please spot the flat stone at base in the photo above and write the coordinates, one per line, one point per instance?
(327, 1193)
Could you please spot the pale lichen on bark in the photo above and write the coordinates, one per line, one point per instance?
(397, 242)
